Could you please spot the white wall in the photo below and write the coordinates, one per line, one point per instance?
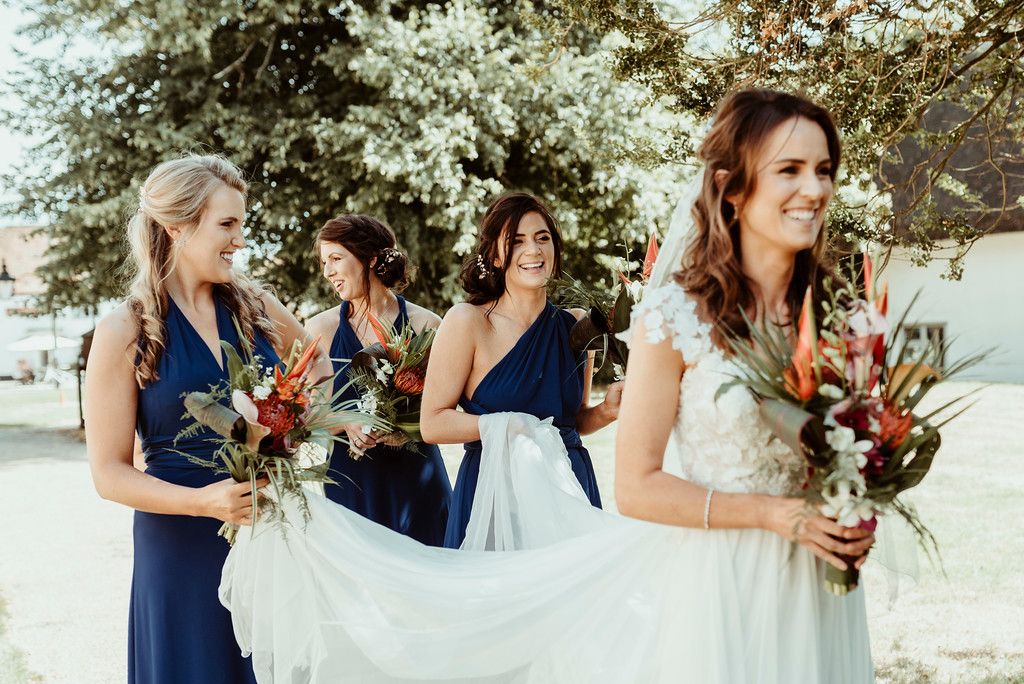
(983, 309)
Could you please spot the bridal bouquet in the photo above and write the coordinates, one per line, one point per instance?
(608, 312)
(279, 424)
(389, 377)
(833, 398)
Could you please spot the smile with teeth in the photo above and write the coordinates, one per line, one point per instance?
(227, 256)
(801, 214)
(535, 266)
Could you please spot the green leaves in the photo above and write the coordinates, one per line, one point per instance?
(386, 109)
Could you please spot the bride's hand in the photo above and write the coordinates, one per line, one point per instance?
(228, 500)
(797, 521)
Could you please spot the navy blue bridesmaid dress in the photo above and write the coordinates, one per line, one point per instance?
(177, 629)
(405, 490)
(543, 377)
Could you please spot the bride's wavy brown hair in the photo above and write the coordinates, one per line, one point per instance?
(176, 194)
(711, 271)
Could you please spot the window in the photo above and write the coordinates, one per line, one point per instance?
(920, 337)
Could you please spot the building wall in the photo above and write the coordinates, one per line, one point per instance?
(983, 309)
(23, 250)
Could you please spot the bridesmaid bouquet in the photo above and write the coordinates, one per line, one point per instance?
(389, 376)
(279, 424)
(609, 312)
(832, 397)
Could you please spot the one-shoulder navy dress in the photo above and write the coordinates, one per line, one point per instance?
(405, 490)
(177, 629)
(543, 377)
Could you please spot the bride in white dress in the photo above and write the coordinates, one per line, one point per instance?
(722, 585)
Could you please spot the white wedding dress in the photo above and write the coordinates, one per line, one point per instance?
(573, 594)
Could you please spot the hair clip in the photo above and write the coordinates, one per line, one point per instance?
(482, 267)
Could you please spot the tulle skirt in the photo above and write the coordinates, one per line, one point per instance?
(583, 596)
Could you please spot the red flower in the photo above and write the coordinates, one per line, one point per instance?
(800, 376)
(410, 381)
(895, 424)
(275, 415)
(650, 257)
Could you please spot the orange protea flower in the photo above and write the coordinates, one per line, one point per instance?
(410, 381)
(275, 415)
(894, 425)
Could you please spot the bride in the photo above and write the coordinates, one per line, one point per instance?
(720, 578)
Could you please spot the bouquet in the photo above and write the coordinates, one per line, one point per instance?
(608, 313)
(832, 397)
(389, 377)
(279, 424)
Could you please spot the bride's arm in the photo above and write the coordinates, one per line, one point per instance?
(111, 402)
(643, 490)
(451, 360)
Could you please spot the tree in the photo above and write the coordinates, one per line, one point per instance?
(927, 94)
(417, 114)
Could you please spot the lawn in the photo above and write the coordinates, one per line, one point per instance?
(966, 625)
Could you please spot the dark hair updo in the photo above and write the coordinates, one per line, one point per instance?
(480, 278)
(368, 238)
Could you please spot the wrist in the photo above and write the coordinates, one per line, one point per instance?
(194, 503)
(764, 509)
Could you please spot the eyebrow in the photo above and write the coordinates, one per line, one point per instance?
(542, 230)
(827, 160)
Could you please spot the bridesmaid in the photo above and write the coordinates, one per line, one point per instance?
(507, 349)
(405, 490)
(164, 341)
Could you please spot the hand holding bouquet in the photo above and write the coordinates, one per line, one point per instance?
(279, 425)
(832, 397)
(389, 377)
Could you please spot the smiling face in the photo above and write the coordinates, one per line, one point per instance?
(533, 258)
(207, 252)
(793, 186)
(343, 271)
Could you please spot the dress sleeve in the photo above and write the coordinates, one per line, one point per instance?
(669, 313)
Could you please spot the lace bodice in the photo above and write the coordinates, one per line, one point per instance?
(721, 444)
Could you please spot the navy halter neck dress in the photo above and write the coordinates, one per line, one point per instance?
(405, 490)
(540, 376)
(177, 629)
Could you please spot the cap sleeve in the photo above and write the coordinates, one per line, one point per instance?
(668, 312)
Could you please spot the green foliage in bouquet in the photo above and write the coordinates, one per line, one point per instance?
(833, 397)
(389, 376)
(280, 424)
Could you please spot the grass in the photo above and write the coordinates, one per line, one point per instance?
(13, 668)
(964, 626)
(40, 405)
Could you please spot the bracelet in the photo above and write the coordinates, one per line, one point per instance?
(707, 509)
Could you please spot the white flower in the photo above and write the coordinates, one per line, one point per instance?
(368, 404)
(261, 392)
(830, 391)
(841, 438)
(864, 320)
(636, 290)
(386, 367)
